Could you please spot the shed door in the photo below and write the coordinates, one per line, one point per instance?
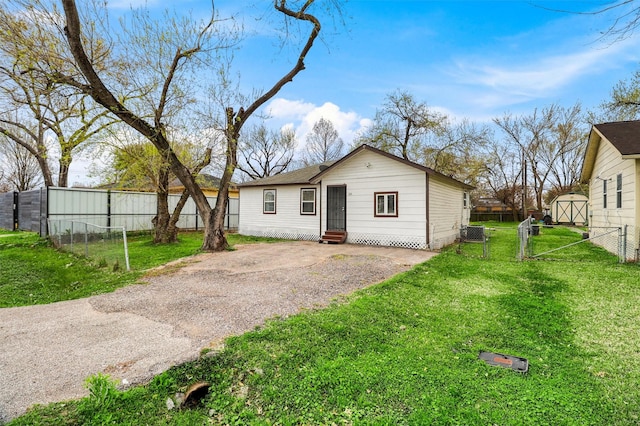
(337, 208)
(571, 211)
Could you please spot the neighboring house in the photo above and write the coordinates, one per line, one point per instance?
(486, 208)
(612, 169)
(490, 205)
(373, 196)
(570, 208)
(209, 185)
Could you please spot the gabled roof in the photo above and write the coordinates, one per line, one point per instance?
(365, 147)
(313, 174)
(623, 135)
(296, 177)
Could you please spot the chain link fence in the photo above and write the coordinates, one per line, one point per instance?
(107, 245)
(525, 244)
(617, 240)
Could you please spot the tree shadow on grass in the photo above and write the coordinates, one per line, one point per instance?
(535, 323)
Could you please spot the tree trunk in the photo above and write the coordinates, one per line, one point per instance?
(63, 175)
(46, 173)
(172, 229)
(214, 238)
(162, 233)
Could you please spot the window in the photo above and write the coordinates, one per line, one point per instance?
(619, 191)
(269, 201)
(604, 194)
(386, 204)
(465, 200)
(308, 201)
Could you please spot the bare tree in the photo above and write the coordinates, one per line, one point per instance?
(564, 157)
(323, 144)
(546, 138)
(458, 151)
(266, 152)
(503, 175)
(18, 167)
(402, 126)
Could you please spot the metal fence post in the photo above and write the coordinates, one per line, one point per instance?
(86, 240)
(16, 223)
(126, 247)
(624, 244)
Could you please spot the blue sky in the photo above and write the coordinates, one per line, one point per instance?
(469, 59)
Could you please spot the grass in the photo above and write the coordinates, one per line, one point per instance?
(33, 272)
(406, 352)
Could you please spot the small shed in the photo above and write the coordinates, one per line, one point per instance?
(570, 208)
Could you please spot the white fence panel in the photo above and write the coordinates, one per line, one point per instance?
(133, 210)
(78, 204)
(105, 208)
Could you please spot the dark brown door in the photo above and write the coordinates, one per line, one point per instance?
(337, 208)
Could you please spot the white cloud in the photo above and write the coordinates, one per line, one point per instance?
(301, 116)
(281, 108)
(538, 77)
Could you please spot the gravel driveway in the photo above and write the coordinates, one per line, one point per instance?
(47, 351)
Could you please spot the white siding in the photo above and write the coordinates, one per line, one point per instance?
(446, 212)
(287, 222)
(365, 174)
(368, 173)
(607, 166)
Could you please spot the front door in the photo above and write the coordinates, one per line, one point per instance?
(337, 208)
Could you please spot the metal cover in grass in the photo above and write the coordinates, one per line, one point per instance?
(516, 363)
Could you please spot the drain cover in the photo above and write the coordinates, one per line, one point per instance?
(518, 364)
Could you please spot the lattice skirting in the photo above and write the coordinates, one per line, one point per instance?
(283, 234)
(406, 241)
(403, 241)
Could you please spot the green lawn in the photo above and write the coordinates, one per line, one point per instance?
(32, 272)
(406, 352)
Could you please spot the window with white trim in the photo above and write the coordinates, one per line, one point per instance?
(604, 194)
(619, 191)
(465, 200)
(386, 204)
(269, 201)
(308, 201)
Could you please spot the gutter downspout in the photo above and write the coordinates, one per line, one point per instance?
(321, 208)
(428, 221)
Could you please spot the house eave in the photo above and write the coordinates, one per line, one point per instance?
(595, 137)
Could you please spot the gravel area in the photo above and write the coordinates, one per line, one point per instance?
(141, 330)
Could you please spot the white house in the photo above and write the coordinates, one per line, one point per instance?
(372, 196)
(612, 169)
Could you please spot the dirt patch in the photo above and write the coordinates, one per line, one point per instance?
(141, 330)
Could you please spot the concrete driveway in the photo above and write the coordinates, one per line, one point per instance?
(47, 351)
